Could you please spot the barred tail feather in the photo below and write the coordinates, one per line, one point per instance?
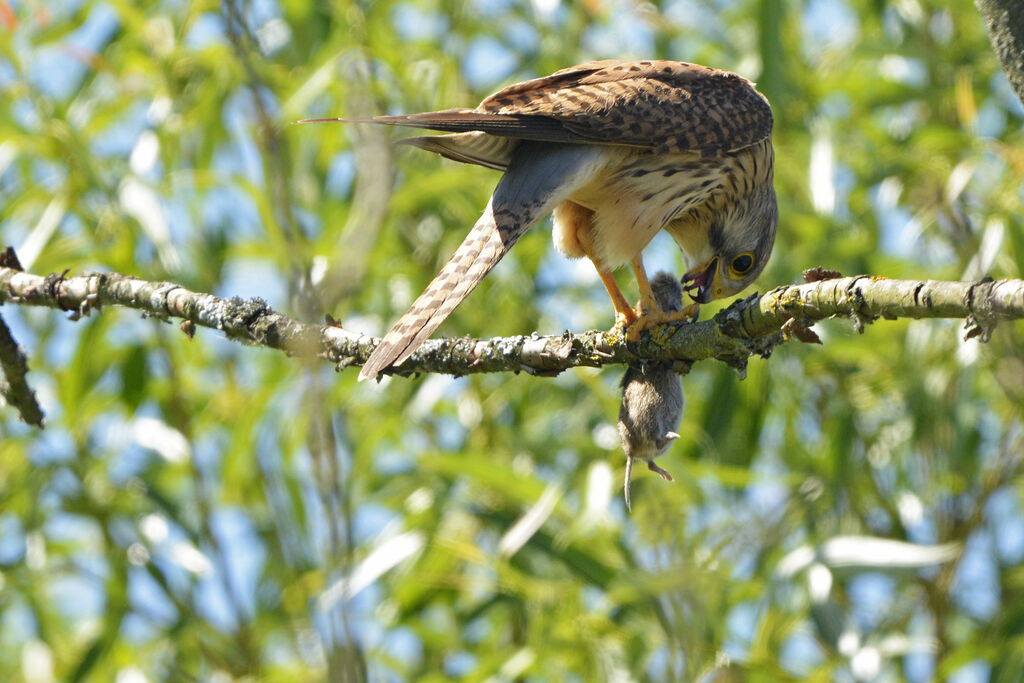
(478, 253)
(492, 151)
(538, 178)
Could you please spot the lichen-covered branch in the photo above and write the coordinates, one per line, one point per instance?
(750, 326)
(865, 298)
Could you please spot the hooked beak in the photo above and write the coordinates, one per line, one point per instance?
(698, 281)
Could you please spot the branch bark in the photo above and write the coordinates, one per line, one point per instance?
(750, 326)
(13, 386)
(1004, 20)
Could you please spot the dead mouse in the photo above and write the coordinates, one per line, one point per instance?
(652, 397)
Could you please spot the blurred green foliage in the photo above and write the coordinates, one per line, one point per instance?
(196, 510)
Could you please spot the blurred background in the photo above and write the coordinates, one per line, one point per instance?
(200, 510)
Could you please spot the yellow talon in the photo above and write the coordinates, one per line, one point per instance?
(648, 320)
(626, 319)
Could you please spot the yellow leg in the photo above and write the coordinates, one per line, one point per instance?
(650, 313)
(624, 313)
(647, 301)
(625, 316)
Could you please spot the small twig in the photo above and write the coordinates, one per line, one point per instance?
(13, 385)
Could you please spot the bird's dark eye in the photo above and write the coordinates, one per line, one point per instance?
(742, 264)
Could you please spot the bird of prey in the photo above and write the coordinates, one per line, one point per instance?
(618, 151)
(652, 397)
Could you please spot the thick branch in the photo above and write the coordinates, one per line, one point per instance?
(751, 326)
(866, 298)
(1005, 22)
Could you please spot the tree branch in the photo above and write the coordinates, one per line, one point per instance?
(750, 326)
(13, 387)
(1004, 20)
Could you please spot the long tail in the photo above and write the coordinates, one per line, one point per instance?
(539, 176)
(478, 253)
(625, 486)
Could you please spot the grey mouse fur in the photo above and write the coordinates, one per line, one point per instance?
(652, 397)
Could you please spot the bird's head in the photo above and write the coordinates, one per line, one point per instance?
(740, 240)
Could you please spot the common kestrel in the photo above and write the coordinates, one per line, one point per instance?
(618, 151)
